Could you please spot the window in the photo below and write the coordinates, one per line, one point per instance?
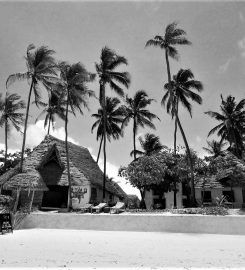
(206, 196)
(229, 194)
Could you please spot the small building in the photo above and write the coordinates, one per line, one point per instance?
(155, 199)
(44, 177)
(228, 181)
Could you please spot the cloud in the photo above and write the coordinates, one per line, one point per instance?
(198, 139)
(36, 133)
(10, 150)
(241, 17)
(224, 67)
(241, 46)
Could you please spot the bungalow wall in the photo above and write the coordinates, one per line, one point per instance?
(97, 195)
(218, 192)
(151, 199)
(80, 196)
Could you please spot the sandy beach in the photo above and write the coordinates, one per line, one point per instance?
(95, 249)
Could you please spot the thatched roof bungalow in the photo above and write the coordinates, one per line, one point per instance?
(228, 180)
(45, 172)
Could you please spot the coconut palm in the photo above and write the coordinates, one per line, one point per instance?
(232, 123)
(75, 90)
(41, 70)
(55, 107)
(114, 118)
(183, 85)
(214, 148)
(108, 75)
(150, 145)
(10, 107)
(136, 109)
(174, 36)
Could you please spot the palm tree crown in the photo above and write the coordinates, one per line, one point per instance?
(231, 128)
(9, 108)
(214, 148)
(114, 119)
(109, 61)
(173, 36)
(135, 109)
(183, 84)
(55, 106)
(150, 144)
(41, 68)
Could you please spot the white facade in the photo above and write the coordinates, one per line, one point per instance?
(168, 197)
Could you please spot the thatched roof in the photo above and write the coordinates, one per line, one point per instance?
(83, 168)
(230, 170)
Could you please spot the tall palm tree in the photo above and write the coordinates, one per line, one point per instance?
(41, 70)
(214, 148)
(183, 86)
(232, 123)
(150, 144)
(55, 106)
(114, 118)
(174, 36)
(10, 107)
(108, 75)
(74, 87)
(136, 109)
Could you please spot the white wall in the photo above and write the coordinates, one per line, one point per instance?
(217, 192)
(169, 198)
(84, 197)
(137, 222)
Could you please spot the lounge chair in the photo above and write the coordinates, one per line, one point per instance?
(86, 208)
(98, 208)
(118, 208)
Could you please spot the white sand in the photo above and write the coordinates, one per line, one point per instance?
(74, 248)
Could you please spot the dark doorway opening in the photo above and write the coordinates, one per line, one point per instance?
(56, 197)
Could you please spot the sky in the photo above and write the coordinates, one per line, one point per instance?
(77, 31)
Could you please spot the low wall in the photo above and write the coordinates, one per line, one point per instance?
(137, 222)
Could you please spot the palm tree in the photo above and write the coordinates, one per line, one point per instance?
(41, 69)
(232, 123)
(183, 84)
(9, 108)
(109, 61)
(214, 148)
(135, 109)
(150, 145)
(74, 87)
(114, 117)
(55, 106)
(174, 36)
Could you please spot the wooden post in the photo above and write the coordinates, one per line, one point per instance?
(32, 197)
(16, 200)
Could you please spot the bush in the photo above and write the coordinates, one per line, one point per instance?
(215, 210)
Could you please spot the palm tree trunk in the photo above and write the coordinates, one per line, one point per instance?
(102, 91)
(142, 193)
(49, 122)
(134, 134)
(175, 195)
(98, 156)
(6, 145)
(25, 128)
(69, 203)
(176, 127)
(193, 200)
